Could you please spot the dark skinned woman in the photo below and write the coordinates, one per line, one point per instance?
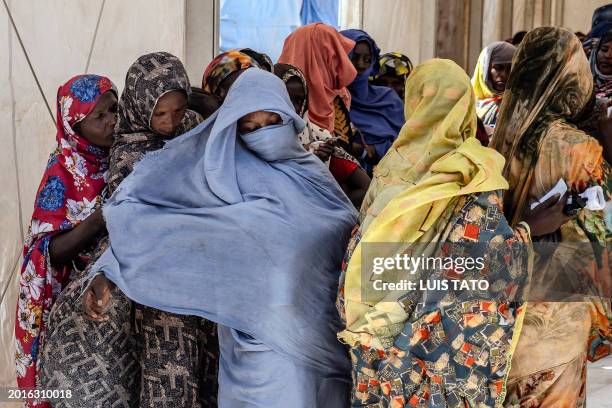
(376, 111)
(66, 222)
(490, 77)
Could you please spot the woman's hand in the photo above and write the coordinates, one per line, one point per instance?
(547, 217)
(97, 298)
(324, 150)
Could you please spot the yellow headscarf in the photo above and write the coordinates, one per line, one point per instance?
(481, 90)
(480, 79)
(434, 160)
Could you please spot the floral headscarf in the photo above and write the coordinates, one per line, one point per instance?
(71, 189)
(77, 164)
(223, 66)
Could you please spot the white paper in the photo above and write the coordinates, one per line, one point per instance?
(559, 188)
(595, 199)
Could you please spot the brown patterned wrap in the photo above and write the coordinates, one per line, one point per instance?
(140, 356)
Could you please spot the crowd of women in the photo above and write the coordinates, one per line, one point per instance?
(202, 246)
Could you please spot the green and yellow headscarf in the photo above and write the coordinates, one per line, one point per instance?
(434, 160)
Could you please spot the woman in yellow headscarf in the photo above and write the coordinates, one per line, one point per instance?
(490, 78)
(436, 190)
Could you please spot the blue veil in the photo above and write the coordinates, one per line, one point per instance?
(248, 231)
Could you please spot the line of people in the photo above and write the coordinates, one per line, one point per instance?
(226, 266)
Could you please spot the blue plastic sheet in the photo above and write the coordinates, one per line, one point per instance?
(263, 25)
(324, 11)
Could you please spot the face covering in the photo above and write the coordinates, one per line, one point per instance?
(275, 142)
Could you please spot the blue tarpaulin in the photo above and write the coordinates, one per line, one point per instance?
(263, 24)
(324, 11)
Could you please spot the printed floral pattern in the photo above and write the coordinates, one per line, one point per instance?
(86, 88)
(22, 359)
(70, 190)
(79, 210)
(51, 196)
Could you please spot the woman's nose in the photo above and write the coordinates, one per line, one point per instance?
(111, 119)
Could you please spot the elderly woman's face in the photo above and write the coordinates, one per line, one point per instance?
(169, 112)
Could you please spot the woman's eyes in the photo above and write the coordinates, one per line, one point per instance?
(249, 128)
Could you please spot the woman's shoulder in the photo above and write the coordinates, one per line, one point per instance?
(564, 132)
(191, 120)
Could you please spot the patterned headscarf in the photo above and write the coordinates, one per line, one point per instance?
(261, 58)
(549, 85)
(70, 191)
(77, 164)
(148, 79)
(222, 66)
(288, 71)
(393, 64)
